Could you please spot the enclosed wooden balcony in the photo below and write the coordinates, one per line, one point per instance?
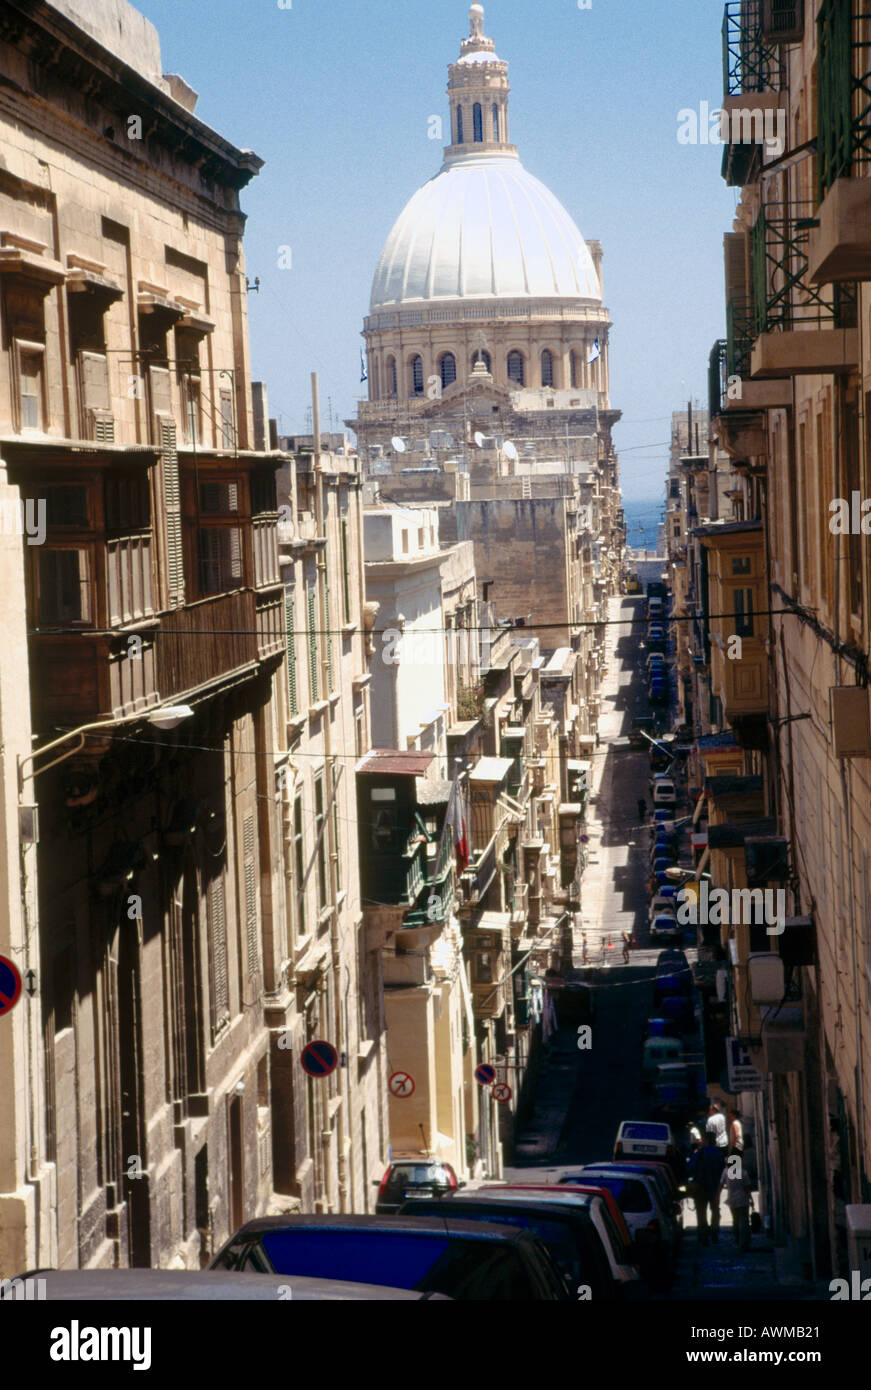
(203, 643)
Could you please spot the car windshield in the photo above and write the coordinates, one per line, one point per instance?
(407, 1175)
(631, 1195)
(639, 1130)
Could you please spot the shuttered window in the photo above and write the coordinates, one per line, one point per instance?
(314, 683)
(299, 863)
(346, 578)
(290, 629)
(329, 641)
(321, 836)
(172, 509)
(250, 871)
(219, 977)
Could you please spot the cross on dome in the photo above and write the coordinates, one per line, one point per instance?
(476, 18)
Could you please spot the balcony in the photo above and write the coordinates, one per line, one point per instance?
(203, 643)
(839, 247)
(844, 92)
(752, 62)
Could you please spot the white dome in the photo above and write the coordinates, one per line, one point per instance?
(484, 228)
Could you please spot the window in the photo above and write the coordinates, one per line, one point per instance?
(484, 968)
(547, 368)
(391, 376)
(495, 121)
(219, 499)
(127, 503)
(417, 376)
(460, 125)
(478, 123)
(448, 369)
(66, 505)
(264, 497)
(31, 362)
(346, 578)
(218, 973)
(741, 564)
(405, 542)
(311, 615)
(382, 820)
(515, 367)
(321, 836)
(299, 863)
(64, 587)
(228, 431)
(744, 612)
(219, 551)
(187, 352)
(290, 630)
(359, 733)
(483, 356)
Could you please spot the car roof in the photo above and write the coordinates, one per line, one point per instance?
(485, 1197)
(158, 1285)
(557, 1192)
(385, 1225)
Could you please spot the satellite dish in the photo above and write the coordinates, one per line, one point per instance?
(398, 444)
(509, 449)
(479, 438)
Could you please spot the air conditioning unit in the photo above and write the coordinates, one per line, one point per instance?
(783, 20)
(766, 974)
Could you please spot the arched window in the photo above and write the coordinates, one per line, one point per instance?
(482, 355)
(478, 119)
(495, 121)
(390, 376)
(547, 368)
(448, 369)
(459, 125)
(515, 367)
(576, 370)
(417, 376)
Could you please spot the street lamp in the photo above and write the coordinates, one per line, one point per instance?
(163, 717)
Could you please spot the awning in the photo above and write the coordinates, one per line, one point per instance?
(395, 762)
(491, 769)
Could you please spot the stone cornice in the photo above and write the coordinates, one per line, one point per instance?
(487, 311)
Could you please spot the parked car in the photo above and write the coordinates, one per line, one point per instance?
(680, 1009)
(664, 793)
(656, 637)
(413, 1177)
(204, 1285)
(640, 1137)
(662, 902)
(665, 927)
(468, 1261)
(655, 1051)
(678, 982)
(642, 724)
(568, 1233)
(653, 1230)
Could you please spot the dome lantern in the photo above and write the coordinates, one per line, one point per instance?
(478, 93)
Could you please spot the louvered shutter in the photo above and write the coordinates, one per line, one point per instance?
(290, 629)
(735, 260)
(346, 585)
(172, 509)
(250, 870)
(329, 641)
(218, 950)
(314, 683)
(104, 429)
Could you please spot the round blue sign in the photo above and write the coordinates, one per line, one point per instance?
(10, 985)
(485, 1075)
(319, 1058)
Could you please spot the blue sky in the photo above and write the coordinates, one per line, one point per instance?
(336, 95)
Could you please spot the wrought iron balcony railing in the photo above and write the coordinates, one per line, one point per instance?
(717, 378)
(741, 333)
(751, 62)
(784, 297)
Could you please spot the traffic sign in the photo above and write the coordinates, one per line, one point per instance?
(501, 1091)
(743, 1075)
(10, 985)
(485, 1075)
(319, 1058)
(401, 1084)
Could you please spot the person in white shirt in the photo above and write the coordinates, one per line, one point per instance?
(717, 1125)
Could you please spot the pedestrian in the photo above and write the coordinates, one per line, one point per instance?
(716, 1125)
(737, 1186)
(642, 809)
(625, 948)
(695, 1135)
(584, 946)
(736, 1132)
(705, 1175)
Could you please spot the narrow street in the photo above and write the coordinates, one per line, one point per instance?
(582, 1096)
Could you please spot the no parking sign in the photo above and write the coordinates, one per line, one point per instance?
(10, 985)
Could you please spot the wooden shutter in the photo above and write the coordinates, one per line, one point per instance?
(329, 641)
(218, 954)
(250, 870)
(172, 510)
(735, 258)
(290, 629)
(314, 683)
(346, 586)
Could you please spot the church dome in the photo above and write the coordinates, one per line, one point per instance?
(484, 228)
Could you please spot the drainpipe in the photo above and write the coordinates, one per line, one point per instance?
(341, 1042)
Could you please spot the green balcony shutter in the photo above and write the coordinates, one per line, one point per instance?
(314, 683)
(759, 267)
(835, 92)
(329, 641)
(172, 509)
(290, 630)
(346, 584)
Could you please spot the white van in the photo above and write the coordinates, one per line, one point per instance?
(664, 792)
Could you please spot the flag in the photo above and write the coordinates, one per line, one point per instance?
(595, 352)
(455, 826)
(363, 376)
